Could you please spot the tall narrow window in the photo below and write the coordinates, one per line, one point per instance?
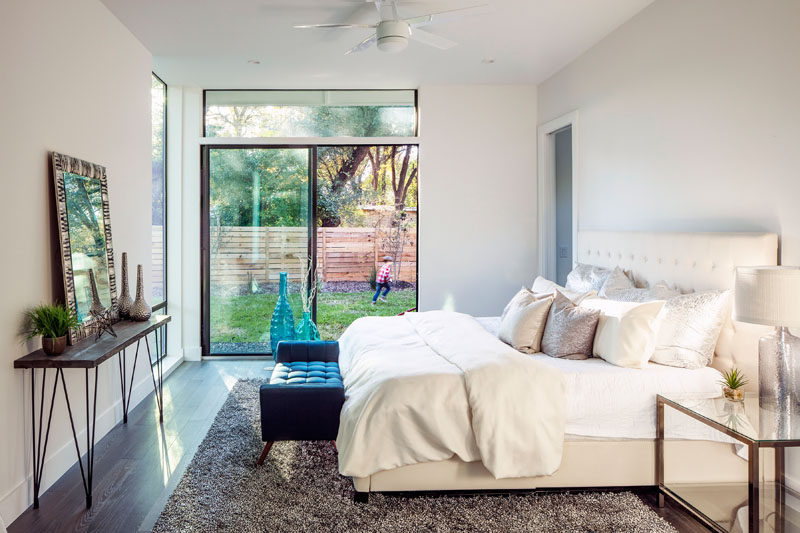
(158, 94)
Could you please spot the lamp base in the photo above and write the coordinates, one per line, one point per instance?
(778, 388)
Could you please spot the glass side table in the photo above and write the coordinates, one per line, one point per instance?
(754, 426)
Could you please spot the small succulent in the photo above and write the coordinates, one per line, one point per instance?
(733, 379)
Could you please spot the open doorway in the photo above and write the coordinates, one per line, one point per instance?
(557, 188)
(563, 178)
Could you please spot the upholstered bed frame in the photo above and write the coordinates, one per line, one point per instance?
(692, 261)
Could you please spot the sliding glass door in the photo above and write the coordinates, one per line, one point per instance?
(366, 222)
(256, 225)
(344, 216)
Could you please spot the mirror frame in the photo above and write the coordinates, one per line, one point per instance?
(61, 164)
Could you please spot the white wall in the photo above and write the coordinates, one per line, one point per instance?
(690, 120)
(477, 196)
(74, 81)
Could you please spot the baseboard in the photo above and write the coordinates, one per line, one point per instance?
(58, 461)
(192, 353)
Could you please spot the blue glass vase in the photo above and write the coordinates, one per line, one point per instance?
(281, 327)
(306, 329)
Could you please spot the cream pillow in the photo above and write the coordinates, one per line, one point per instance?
(523, 297)
(545, 286)
(523, 324)
(626, 331)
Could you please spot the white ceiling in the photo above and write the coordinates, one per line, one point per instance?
(207, 43)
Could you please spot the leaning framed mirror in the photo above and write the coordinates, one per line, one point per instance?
(84, 228)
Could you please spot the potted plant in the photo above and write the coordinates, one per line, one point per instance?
(732, 382)
(53, 323)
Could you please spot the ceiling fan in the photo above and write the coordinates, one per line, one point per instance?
(392, 32)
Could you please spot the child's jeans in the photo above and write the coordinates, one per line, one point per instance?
(384, 286)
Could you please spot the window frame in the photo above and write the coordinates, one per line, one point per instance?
(204, 126)
(162, 305)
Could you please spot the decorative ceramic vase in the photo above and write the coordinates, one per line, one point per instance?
(124, 302)
(54, 346)
(140, 310)
(97, 305)
(306, 329)
(734, 395)
(281, 327)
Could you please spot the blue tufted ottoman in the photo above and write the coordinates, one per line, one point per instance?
(304, 396)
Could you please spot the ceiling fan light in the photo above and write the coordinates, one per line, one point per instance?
(392, 44)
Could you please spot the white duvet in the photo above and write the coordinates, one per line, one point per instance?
(426, 386)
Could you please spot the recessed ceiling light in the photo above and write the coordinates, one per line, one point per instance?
(254, 61)
(487, 60)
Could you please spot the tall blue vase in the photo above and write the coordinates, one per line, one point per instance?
(282, 326)
(306, 329)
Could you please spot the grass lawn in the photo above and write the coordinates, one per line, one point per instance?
(246, 318)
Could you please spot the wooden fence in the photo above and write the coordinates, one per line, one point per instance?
(241, 254)
(157, 260)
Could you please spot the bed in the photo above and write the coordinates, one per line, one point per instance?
(608, 412)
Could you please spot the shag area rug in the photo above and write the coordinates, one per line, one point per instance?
(298, 488)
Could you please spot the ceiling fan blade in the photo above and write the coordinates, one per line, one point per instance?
(446, 16)
(431, 39)
(307, 26)
(363, 45)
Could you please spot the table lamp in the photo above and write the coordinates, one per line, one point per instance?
(770, 295)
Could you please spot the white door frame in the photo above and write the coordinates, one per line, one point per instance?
(547, 192)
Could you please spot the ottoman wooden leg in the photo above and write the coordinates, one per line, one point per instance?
(334, 445)
(264, 452)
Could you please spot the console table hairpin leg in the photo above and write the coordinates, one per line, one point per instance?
(39, 448)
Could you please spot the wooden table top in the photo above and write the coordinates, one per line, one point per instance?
(89, 353)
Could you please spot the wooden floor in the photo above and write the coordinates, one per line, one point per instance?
(138, 465)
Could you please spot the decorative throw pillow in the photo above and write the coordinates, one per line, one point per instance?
(523, 297)
(626, 331)
(617, 280)
(545, 286)
(659, 291)
(584, 278)
(690, 327)
(569, 332)
(523, 325)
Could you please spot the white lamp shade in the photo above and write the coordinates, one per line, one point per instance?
(768, 295)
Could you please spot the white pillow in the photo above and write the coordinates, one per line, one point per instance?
(617, 280)
(690, 328)
(545, 286)
(659, 291)
(523, 324)
(626, 332)
(585, 278)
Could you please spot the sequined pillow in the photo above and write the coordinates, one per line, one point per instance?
(569, 332)
(690, 327)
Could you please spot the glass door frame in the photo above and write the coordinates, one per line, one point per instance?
(205, 231)
(205, 221)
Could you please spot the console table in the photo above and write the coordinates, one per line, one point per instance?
(89, 354)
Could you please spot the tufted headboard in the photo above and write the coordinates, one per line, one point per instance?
(690, 261)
